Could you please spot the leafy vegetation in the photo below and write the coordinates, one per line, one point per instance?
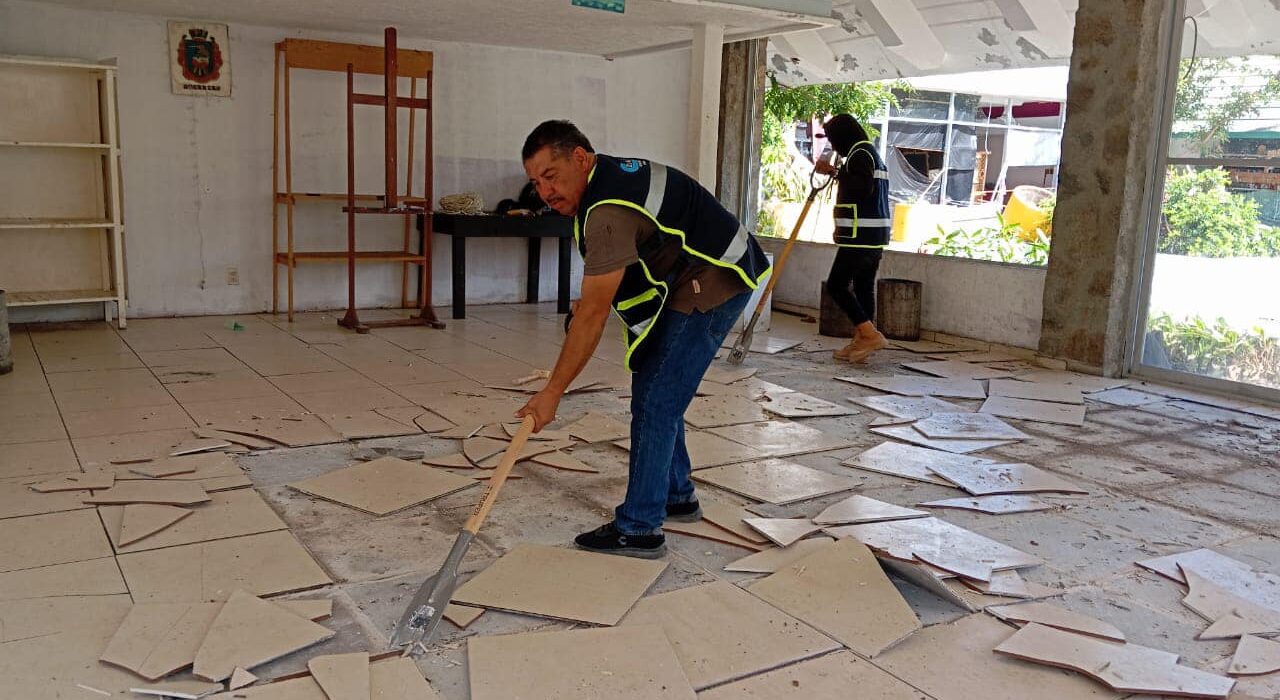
(781, 178)
(1201, 104)
(1204, 219)
(1216, 349)
(1005, 242)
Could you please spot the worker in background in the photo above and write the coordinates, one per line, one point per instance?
(863, 224)
(677, 268)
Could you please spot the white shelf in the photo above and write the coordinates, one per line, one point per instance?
(55, 223)
(51, 144)
(57, 63)
(61, 296)
(53, 134)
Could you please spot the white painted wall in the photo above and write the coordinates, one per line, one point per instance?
(197, 170)
(989, 301)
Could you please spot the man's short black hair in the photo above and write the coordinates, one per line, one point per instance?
(560, 134)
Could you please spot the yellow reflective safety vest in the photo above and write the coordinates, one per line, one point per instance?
(680, 207)
(865, 222)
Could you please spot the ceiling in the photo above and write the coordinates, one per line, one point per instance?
(860, 40)
(553, 25)
(980, 35)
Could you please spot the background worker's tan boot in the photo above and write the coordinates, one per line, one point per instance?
(843, 353)
(865, 344)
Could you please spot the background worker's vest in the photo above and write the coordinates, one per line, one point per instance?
(866, 222)
(680, 207)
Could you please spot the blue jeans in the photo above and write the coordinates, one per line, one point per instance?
(679, 352)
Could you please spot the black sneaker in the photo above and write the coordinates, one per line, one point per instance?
(607, 540)
(689, 512)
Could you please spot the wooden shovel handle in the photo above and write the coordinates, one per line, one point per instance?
(782, 256)
(500, 476)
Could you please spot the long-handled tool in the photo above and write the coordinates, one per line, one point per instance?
(740, 348)
(426, 610)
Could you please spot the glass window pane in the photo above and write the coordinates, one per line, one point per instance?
(1221, 228)
(922, 104)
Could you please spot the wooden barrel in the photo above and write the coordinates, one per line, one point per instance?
(6, 349)
(832, 321)
(898, 304)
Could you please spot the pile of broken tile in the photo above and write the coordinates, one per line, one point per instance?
(816, 614)
(825, 572)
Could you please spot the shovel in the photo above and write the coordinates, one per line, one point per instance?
(740, 348)
(426, 610)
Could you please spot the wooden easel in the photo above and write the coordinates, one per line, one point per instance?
(392, 64)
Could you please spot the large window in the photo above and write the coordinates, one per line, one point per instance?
(970, 175)
(1211, 301)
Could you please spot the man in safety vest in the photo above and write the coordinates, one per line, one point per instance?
(677, 269)
(863, 225)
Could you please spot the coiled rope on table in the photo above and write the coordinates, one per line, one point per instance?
(464, 203)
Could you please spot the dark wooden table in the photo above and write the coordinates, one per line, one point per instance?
(534, 228)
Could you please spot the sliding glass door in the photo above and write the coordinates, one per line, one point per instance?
(1209, 309)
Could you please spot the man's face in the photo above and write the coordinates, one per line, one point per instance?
(560, 181)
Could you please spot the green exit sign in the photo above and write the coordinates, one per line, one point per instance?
(610, 5)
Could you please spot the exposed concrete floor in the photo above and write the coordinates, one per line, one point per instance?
(1165, 477)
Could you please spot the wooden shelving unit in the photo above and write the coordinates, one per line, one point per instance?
(61, 229)
(370, 60)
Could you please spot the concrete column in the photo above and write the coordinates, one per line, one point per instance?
(1108, 145)
(704, 102)
(741, 107)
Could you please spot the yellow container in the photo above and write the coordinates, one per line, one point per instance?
(1024, 210)
(901, 212)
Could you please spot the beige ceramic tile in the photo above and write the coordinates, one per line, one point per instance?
(781, 438)
(264, 564)
(126, 420)
(91, 577)
(232, 513)
(102, 450)
(17, 498)
(841, 590)
(1122, 667)
(33, 458)
(111, 399)
(637, 663)
(223, 389)
(383, 486)
(54, 538)
(830, 677)
(775, 481)
(721, 633)
(954, 660)
(249, 631)
(561, 583)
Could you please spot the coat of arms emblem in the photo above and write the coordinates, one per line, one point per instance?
(199, 59)
(200, 56)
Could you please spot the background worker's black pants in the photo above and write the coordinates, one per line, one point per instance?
(852, 282)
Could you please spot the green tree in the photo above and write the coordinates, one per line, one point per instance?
(784, 106)
(1212, 94)
(1203, 218)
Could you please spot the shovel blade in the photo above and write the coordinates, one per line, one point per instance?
(426, 610)
(738, 352)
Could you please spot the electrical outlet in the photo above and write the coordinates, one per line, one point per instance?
(233, 276)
